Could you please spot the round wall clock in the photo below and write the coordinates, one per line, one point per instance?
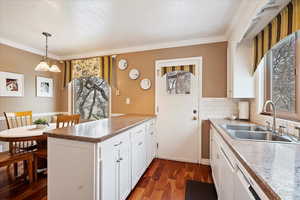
(145, 84)
(134, 74)
(122, 64)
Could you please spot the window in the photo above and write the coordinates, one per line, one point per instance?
(91, 97)
(280, 77)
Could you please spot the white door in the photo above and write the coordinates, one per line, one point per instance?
(177, 110)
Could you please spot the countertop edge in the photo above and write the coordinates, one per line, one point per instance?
(101, 139)
(269, 192)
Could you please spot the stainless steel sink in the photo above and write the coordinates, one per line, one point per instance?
(254, 132)
(245, 127)
(255, 135)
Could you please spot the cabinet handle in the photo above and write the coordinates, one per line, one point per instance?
(121, 159)
(140, 143)
(151, 133)
(118, 144)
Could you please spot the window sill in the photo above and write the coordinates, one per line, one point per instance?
(281, 117)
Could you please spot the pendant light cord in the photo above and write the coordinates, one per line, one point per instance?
(46, 47)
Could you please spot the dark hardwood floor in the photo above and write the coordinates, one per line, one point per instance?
(164, 180)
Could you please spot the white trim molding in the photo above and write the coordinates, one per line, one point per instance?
(205, 161)
(42, 114)
(27, 48)
(181, 43)
(163, 45)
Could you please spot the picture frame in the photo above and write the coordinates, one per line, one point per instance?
(11, 84)
(44, 87)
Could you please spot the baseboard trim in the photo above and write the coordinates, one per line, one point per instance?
(176, 159)
(205, 161)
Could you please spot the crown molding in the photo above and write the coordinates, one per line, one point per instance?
(27, 48)
(181, 43)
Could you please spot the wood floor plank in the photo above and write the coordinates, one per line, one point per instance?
(163, 180)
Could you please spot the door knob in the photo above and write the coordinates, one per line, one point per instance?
(194, 118)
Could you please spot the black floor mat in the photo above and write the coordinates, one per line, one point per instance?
(200, 191)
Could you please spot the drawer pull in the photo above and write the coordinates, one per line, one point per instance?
(140, 143)
(118, 144)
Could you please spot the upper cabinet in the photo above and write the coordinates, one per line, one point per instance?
(240, 81)
(252, 17)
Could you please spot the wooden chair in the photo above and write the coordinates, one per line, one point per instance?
(15, 120)
(15, 155)
(18, 119)
(62, 121)
(67, 120)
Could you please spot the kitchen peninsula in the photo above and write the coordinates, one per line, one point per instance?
(102, 159)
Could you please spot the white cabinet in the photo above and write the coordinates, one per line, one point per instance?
(215, 157)
(151, 145)
(107, 170)
(240, 80)
(124, 169)
(232, 182)
(116, 168)
(227, 171)
(138, 149)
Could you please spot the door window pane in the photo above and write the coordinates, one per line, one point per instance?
(178, 82)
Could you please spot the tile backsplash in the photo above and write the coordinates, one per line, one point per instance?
(217, 108)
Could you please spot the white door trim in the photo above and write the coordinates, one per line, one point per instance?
(191, 60)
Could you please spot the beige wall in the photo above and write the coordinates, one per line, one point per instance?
(18, 61)
(214, 75)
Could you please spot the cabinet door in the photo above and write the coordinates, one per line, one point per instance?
(150, 142)
(216, 165)
(226, 177)
(109, 171)
(124, 169)
(138, 154)
(153, 146)
(242, 187)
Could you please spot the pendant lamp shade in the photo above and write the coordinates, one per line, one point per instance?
(54, 68)
(43, 66)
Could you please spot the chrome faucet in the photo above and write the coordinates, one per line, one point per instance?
(273, 113)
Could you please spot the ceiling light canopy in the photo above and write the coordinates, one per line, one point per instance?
(43, 66)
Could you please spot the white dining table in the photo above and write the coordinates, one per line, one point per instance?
(24, 131)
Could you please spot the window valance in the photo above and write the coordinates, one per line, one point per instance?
(97, 66)
(285, 23)
(187, 68)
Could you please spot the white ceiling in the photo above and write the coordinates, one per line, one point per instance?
(80, 27)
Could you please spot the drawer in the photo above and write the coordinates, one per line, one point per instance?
(151, 126)
(138, 131)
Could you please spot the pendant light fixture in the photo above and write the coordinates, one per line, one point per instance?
(44, 64)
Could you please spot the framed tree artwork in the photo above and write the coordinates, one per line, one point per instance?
(11, 84)
(44, 87)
